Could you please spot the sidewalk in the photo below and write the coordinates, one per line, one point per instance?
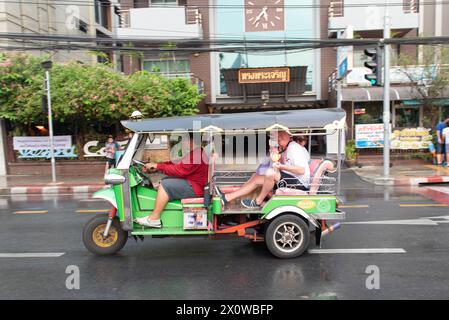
(41, 184)
(404, 175)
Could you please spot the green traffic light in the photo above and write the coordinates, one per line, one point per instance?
(373, 82)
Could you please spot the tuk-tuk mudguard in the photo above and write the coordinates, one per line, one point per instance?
(283, 209)
(106, 194)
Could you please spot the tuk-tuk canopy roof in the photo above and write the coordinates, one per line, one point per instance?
(291, 119)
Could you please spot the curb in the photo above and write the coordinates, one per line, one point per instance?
(410, 181)
(51, 189)
(403, 180)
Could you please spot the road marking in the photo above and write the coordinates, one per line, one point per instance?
(32, 255)
(409, 222)
(354, 206)
(31, 212)
(419, 205)
(92, 211)
(371, 250)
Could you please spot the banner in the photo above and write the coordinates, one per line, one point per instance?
(39, 143)
(369, 135)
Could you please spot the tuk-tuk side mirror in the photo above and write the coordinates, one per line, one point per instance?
(114, 179)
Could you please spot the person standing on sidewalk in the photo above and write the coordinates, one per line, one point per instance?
(445, 135)
(111, 147)
(440, 140)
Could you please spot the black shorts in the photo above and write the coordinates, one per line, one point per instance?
(177, 188)
(111, 162)
(289, 181)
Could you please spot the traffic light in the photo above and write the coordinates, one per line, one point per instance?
(375, 78)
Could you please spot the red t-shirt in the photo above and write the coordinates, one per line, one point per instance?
(191, 167)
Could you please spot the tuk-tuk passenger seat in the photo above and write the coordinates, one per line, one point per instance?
(318, 167)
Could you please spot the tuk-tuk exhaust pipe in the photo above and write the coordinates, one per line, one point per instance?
(111, 215)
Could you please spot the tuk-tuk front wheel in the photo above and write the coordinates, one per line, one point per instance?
(94, 240)
(287, 236)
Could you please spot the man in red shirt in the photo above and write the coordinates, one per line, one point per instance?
(186, 178)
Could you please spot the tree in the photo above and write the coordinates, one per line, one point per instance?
(428, 75)
(85, 96)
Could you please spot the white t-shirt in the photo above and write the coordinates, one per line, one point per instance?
(296, 155)
(445, 134)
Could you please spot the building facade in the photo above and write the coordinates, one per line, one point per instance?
(234, 23)
(93, 18)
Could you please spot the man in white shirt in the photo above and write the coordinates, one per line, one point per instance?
(291, 171)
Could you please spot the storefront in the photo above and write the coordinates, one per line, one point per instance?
(411, 122)
(247, 23)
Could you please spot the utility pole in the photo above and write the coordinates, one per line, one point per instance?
(47, 66)
(386, 105)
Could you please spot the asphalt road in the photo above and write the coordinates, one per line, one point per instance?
(408, 221)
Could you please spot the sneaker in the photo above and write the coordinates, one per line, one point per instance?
(222, 196)
(250, 204)
(144, 221)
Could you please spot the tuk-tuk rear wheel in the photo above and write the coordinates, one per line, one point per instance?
(95, 242)
(287, 236)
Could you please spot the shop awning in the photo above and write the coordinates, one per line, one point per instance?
(376, 94)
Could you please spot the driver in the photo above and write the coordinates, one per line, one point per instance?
(186, 178)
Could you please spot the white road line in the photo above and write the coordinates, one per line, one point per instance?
(32, 255)
(370, 250)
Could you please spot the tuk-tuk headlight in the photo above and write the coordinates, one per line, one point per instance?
(114, 179)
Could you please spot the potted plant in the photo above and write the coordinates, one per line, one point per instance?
(351, 153)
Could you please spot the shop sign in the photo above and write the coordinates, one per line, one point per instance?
(411, 139)
(369, 135)
(360, 111)
(264, 75)
(40, 143)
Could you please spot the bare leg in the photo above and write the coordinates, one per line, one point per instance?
(268, 185)
(247, 188)
(106, 168)
(161, 202)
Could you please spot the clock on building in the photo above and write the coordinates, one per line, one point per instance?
(264, 15)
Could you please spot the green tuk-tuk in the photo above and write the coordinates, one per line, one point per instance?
(287, 220)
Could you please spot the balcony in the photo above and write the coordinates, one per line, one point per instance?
(161, 23)
(343, 13)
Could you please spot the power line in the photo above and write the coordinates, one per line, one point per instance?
(221, 6)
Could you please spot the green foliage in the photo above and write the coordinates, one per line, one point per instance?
(350, 150)
(85, 95)
(430, 79)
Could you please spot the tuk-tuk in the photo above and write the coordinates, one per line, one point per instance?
(287, 220)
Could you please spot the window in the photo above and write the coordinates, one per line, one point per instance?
(407, 116)
(102, 12)
(168, 67)
(368, 112)
(163, 2)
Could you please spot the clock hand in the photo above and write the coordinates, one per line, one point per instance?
(260, 15)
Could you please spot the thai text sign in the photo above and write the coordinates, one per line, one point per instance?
(369, 135)
(39, 143)
(264, 75)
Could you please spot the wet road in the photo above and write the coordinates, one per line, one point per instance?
(412, 221)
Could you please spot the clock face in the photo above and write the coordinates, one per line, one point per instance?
(264, 15)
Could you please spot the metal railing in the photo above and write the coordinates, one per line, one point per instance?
(336, 8)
